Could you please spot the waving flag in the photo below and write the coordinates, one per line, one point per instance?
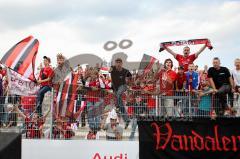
(21, 57)
(20, 85)
(66, 96)
(146, 63)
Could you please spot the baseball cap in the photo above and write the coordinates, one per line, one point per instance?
(113, 114)
(47, 58)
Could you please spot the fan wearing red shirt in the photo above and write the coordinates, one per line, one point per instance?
(45, 82)
(186, 59)
(148, 92)
(34, 124)
(181, 79)
(94, 101)
(167, 78)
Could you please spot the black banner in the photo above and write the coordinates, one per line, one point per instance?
(10, 145)
(196, 139)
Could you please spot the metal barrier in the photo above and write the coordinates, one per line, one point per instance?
(91, 116)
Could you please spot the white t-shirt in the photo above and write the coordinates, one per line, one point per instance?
(236, 77)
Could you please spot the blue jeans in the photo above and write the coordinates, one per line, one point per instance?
(40, 97)
(120, 105)
(134, 127)
(93, 117)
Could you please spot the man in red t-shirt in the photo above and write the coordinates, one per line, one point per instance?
(45, 82)
(167, 78)
(186, 59)
(94, 98)
(181, 79)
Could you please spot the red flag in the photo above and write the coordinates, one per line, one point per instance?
(66, 95)
(147, 63)
(21, 57)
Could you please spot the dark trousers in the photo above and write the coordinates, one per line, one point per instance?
(120, 105)
(40, 97)
(221, 103)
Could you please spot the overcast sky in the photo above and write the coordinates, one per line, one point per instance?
(74, 26)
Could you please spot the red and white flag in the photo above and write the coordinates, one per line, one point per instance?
(20, 85)
(66, 96)
(21, 57)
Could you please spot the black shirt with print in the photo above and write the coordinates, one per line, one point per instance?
(220, 76)
(119, 77)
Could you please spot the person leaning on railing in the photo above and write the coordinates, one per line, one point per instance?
(180, 87)
(94, 98)
(33, 123)
(11, 116)
(120, 78)
(222, 84)
(204, 97)
(234, 95)
(113, 130)
(167, 78)
(192, 79)
(236, 75)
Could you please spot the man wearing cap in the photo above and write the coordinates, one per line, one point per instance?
(120, 76)
(45, 82)
(113, 130)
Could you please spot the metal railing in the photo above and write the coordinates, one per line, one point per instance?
(89, 116)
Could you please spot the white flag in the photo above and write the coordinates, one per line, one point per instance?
(20, 85)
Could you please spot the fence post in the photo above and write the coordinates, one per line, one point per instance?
(189, 104)
(156, 105)
(51, 116)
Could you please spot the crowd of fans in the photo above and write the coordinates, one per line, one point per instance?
(120, 95)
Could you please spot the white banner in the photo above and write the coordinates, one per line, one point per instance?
(20, 85)
(79, 149)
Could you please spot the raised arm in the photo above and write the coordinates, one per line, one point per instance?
(171, 52)
(201, 50)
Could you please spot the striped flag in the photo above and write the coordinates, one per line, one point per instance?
(81, 107)
(21, 57)
(104, 70)
(66, 96)
(146, 64)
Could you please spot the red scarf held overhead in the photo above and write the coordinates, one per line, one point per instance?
(185, 42)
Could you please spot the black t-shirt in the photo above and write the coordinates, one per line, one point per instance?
(220, 77)
(119, 77)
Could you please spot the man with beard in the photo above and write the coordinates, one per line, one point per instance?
(61, 71)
